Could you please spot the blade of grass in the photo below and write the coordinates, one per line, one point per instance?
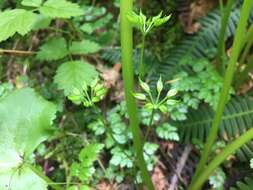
(126, 6)
(228, 150)
(225, 12)
(241, 30)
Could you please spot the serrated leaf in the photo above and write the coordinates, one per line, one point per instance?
(15, 21)
(72, 74)
(54, 49)
(84, 47)
(25, 122)
(41, 22)
(31, 3)
(60, 9)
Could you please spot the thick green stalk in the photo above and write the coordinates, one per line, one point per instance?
(249, 42)
(141, 64)
(241, 30)
(126, 6)
(224, 22)
(44, 177)
(228, 150)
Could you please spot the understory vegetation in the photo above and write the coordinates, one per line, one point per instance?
(126, 94)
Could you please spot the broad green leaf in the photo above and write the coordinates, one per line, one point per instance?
(53, 49)
(31, 3)
(41, 22)
(25, 122)
(15, 21)
(21, 179)
(84, 47)
(73, 74)
(60, 9)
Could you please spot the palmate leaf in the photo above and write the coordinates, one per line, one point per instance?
(60, 9)
(25, 122)
(15, 21)
(84, 47)
(54, 49)
(73, 74)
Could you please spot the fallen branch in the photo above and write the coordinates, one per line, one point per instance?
(180, 166)
(16, 52)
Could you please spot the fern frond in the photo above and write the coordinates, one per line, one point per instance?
(237, 118)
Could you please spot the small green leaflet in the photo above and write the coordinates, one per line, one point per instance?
(84, 47)
(72, 74)
(60, 9)
(31, 3)
(54, 49)
(25, 122)
(15, 21)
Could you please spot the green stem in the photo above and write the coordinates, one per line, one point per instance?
(249, 42)
(221, 44)
(126, 6)
(228, 150)
(141, 65)
(149, 125)
(241, 30)
(44, 177)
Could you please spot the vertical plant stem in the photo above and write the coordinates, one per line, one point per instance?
(241, 30)
(150, 124)
(141, 64)
(221, 44)
(228, 150)
(126, 6)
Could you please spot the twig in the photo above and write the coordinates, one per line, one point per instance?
(16, 52)
(180, 166)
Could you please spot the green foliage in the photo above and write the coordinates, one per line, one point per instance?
(245, 184)
(5, 89)
(217, 179)
(84, 47)
(198, 85)
(32, 3)
(84, 169)
(237, 119)
(73, 74)
(60, 9)
(15, 21)
(167, 132)
(156, 103)
(54, 49)
(146, 25)
(28, 125)
(88, 95)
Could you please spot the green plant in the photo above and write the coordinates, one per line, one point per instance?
(222, 101)
(145, 26)
(84, 169)
(22, 132)
(126, 7)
